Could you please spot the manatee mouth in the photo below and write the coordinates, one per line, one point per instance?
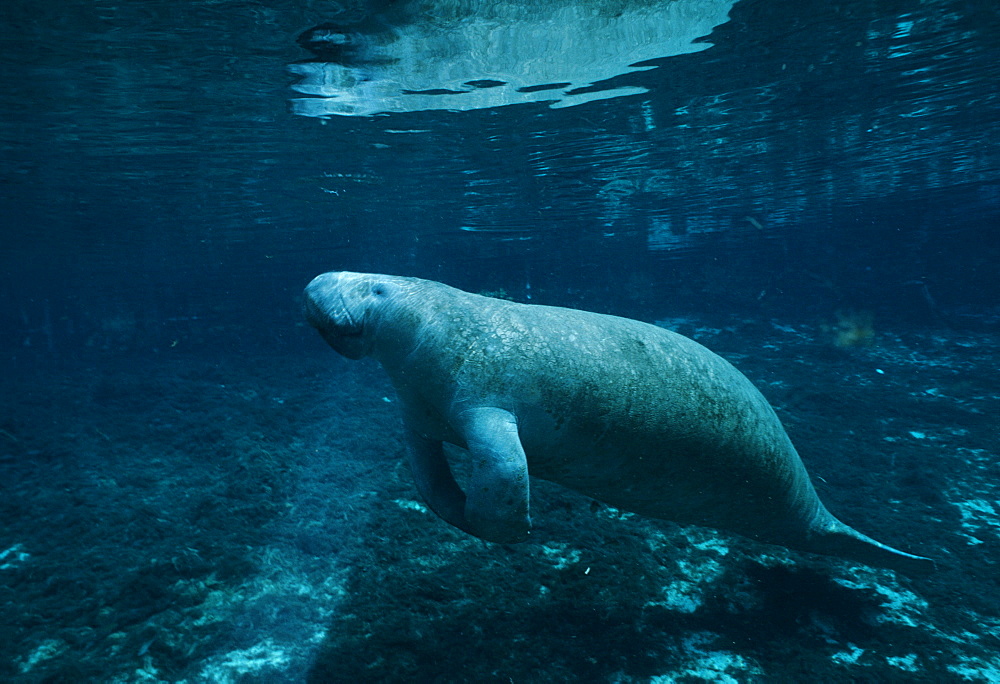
(327, 311)
(332, 318)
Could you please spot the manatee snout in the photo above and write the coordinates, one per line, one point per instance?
(337, 317)
(320, 294)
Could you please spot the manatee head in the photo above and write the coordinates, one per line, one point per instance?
(344, 308)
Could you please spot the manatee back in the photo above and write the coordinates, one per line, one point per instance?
(638, 417)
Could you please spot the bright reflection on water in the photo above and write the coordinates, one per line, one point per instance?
(473, 55)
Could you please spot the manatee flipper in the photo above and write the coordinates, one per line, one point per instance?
(496, 508)
(434, 480)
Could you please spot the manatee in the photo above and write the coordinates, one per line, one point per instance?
(628, 413)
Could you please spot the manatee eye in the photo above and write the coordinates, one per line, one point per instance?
(378, 289)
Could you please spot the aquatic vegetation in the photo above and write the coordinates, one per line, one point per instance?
(854, 328)
(499, 293)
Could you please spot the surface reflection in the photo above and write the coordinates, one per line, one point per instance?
(462, 55)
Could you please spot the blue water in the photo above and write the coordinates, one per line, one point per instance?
(195, 489)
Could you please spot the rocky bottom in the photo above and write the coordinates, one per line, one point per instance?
(193, 519)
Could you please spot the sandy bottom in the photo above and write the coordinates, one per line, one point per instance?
(193, 519)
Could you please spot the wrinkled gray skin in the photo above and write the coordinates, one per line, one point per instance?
(625, 412)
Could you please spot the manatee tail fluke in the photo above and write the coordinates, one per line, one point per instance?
(837, 539)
